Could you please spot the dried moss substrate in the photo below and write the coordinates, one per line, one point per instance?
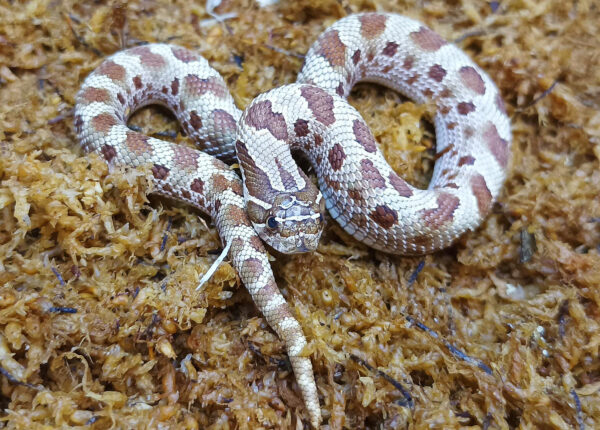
(102, 326)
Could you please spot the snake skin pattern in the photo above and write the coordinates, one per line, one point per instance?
(360, 190)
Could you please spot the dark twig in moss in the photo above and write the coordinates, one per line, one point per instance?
(73, 19)
(58, 276)
(528, 246)
(540, 97)
(563, 311)
(60, 118)
(415, 274)
(166, 235)
(284, 51)
(285, 364)
(486, 422)
(469, 34)
(16, 381)
(578, 409)
(454, 350)
(408, 400)
(62, 310)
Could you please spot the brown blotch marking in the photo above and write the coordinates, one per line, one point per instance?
(286, 177)
(444, 151)
(497, 145)
(372, 25)
(269, 290)
(451, 185)
(472, 79)
(195, 120)
(138, 143)
(360, 220)
(112, 70)
(221, 183)
(445, 93)
(165, 90)
(384, 216)
(500, 103)
(400, 185)
(340, 89)
(356, 57)
(121, 98)
(257, 244)
(318, 139)
(147, 57)
(184, 55)
(465, 108)
(437, 73)
(175, 87)
(364, 136)
(371, 174)
(217, 205)
(261, 116)
(467, 160)
(336, 156)
(197, 186)
(370, 56)
(236, 216)
(160, 172)
(332, 48)
(355, 195)
(301, 127)
(199, 87)
(223, 120)
(408, 62)
(137, 82)
(444, 110)
(427, 92)
(100, 95)
(186, 194)
(320, 102)
(387, 68)
(482, 194)
(427, 39)
(469, 132)
(108, 152)
(447, 204)
(185, 157)
(333, 184)
(78, 123)
(413, 79)
(167, 188)
(252, 267)
(451, 125)
(390, 49)
(103, 122)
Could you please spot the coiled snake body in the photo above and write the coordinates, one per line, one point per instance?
(277, 200)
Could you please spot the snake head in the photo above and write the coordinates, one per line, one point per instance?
(294, 222)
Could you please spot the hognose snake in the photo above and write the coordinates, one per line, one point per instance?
(277, 200)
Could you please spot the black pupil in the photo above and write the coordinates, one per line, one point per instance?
(272, 222)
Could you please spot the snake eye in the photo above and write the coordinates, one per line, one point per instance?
(272, 222)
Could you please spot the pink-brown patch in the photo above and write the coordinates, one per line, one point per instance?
(408, 62)
(372, 25)
(332, 48)
(427, 39)
(364, 136)
(185, 158)
(467, 160)
(340, 89)
(160, 172)
(371, 174)
(257, 244)
(301, 127)
(444, 213)
(108, 152)
(465, 108)
(414, 78)
(103, 122)
(221, 183)
(195, 120)
(261, 116)
(223, 120)
(121, 99)
(445, 110)
(356, 57)
(99, 95)
(400, 185)
(384, 216)
(500, 103)
(336, 156)
(198, 86)
(445, 93)
(437, 73)
(390, 49)
(469, 132)
(137, 82)
(112, 70)
(197, 186)
(451, 126)
(472, 79)
(138, 143)
(175, 87)
(320, 102)
(482, 194)
(252, 268)
(236, 216)
(318, 139)
(184, 55)
(147, 57)
(497, 145)
(427, 92)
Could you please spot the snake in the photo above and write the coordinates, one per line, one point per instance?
(275, 201)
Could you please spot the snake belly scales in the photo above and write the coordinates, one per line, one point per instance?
(276, 201)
